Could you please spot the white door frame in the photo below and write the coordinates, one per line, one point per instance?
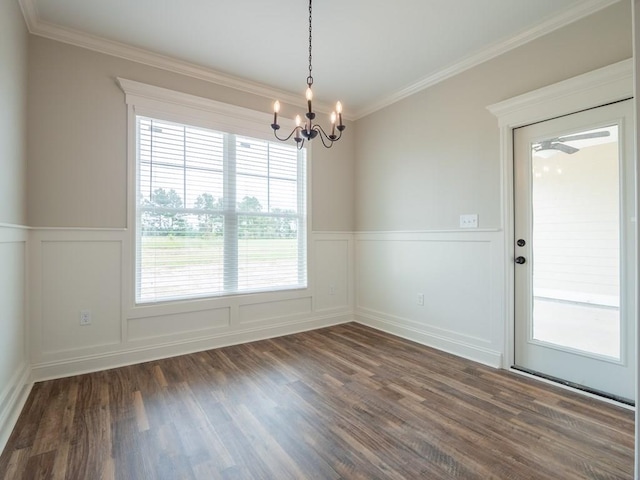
(599, 87)
(635, 9)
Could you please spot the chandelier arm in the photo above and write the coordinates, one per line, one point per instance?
(323, 135)
(275, 132)
(338, 137)
(332, 138)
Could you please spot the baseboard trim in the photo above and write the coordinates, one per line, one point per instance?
(93, 363)
(475, 353)
(13, 401)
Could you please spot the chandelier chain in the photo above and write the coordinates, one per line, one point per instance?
(310, 77)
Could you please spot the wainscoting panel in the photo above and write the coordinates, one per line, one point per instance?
(80, 276)
(457, 275)
(182, 325)
(332, 273)
(74, 269)
(15, 372)
(253, 313)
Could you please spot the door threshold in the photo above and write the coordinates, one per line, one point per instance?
(575, 387)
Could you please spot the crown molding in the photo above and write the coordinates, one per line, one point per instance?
(30, 13)
(562, 19)
(146, 57)
(127, 52)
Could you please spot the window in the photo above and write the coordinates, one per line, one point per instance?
(216, 212)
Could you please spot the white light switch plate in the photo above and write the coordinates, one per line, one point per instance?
(469, 221)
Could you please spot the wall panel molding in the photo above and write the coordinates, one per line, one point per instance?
(333, 263)
(13, 397)
(13, 234)
(15, 373)
(85, 268)
(458, 275)
(155, 351)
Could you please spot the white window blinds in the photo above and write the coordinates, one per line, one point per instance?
(217, 213)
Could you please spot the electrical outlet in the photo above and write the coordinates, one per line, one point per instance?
(421, 299)
(332, 289)
(85, 317)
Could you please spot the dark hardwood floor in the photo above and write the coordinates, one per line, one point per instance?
(342, 402)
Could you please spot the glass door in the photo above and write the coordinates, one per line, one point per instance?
(574, 262)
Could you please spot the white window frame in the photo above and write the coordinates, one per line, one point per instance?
(181, 108)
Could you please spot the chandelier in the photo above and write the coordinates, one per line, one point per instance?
(310, 130)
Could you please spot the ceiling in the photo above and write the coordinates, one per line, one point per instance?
(366, 53)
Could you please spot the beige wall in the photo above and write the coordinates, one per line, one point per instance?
(333, 184)
(13, 96)
(422, 162)
(77, 140)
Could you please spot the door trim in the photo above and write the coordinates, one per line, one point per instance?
(599, 87)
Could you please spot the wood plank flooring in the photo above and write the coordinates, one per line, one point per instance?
(345, 402)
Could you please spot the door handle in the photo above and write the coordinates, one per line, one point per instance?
(520, 260)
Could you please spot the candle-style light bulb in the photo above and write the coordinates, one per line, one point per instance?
(276, 109)
(309, 96)
(339, 110)
(333, 123)
(296, 135)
